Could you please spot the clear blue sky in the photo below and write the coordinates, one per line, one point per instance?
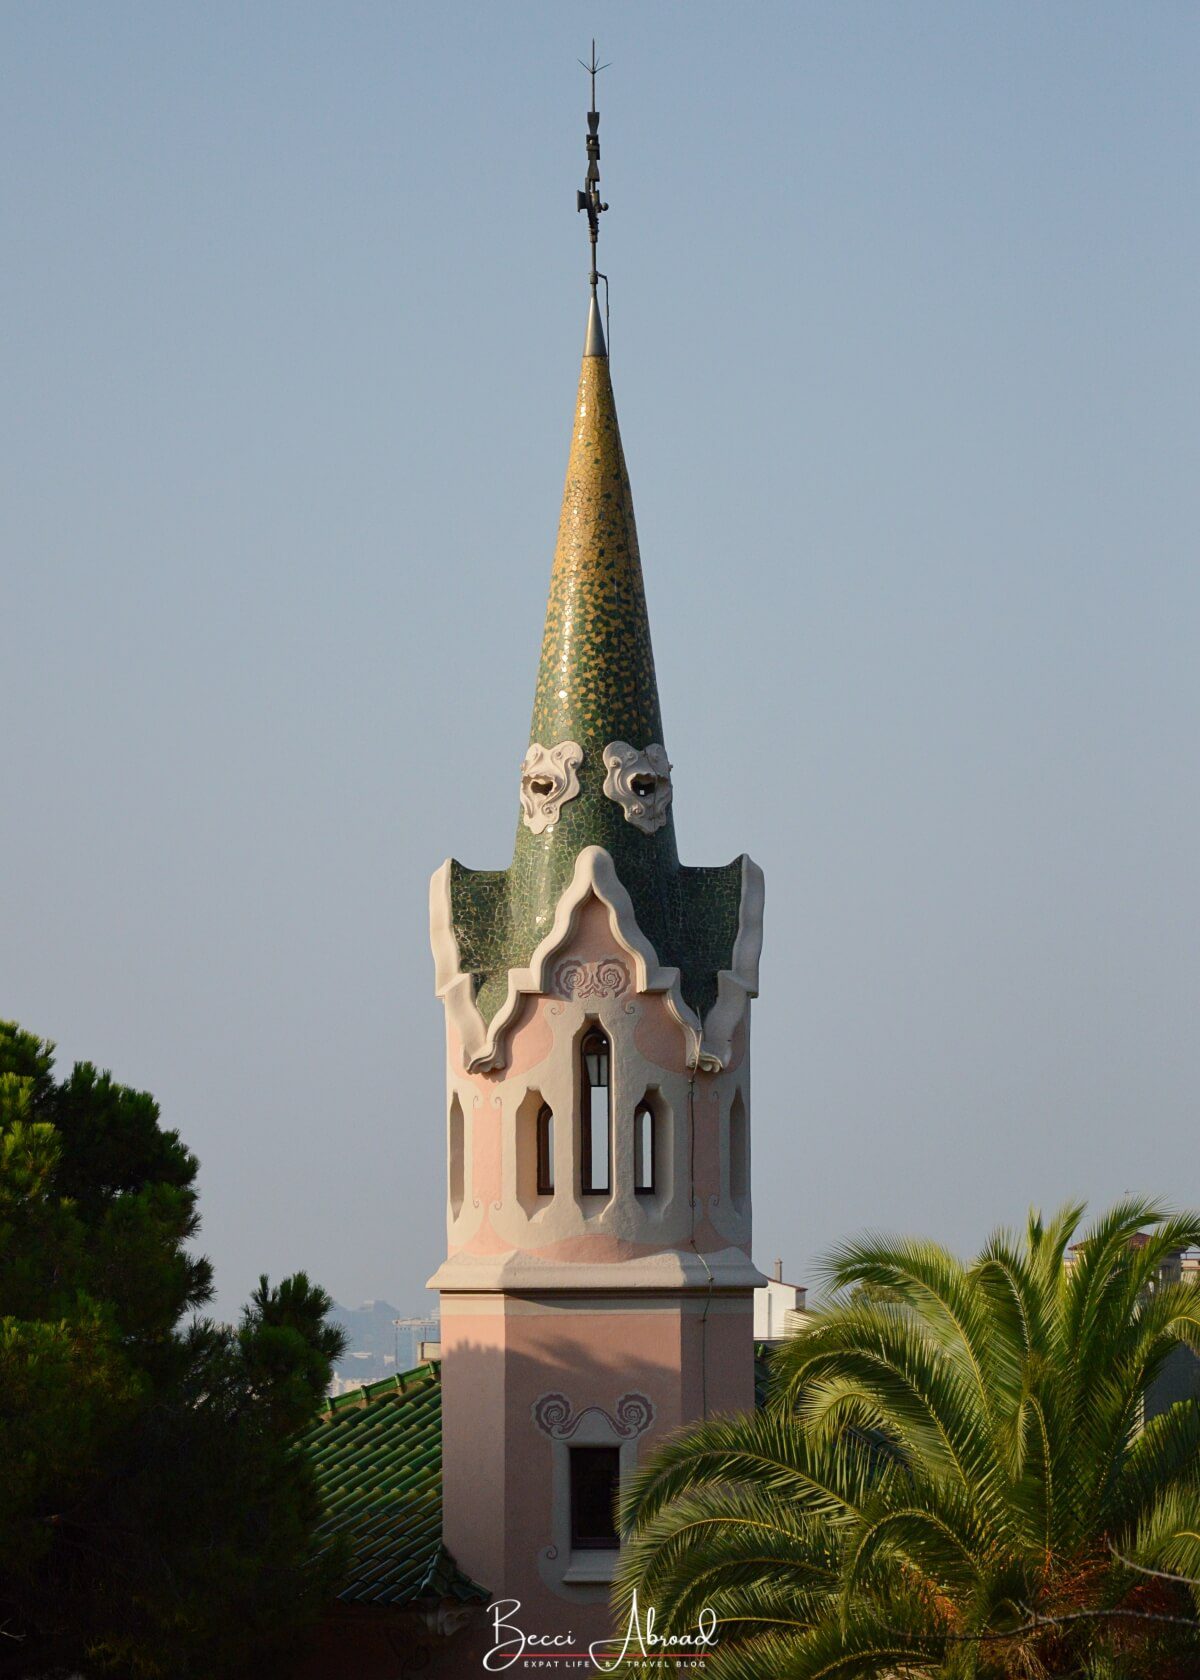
(906, 349)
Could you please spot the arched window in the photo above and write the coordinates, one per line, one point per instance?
(596, 1150)
(643, 1148)
(456, 1157)
(545, 1150)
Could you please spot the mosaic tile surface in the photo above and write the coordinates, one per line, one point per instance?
(596, 684)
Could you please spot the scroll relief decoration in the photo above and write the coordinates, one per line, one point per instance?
(556, 1417)
(607, 978)
(548, 780)
(639, 782)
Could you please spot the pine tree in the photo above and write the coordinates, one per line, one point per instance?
(155, 1518)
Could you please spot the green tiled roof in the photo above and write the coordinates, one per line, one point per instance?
(377, 1453)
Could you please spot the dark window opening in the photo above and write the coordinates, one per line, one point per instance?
(595, 1478)
(545, 1151)
(644, 786)
(595, 1127)
(456, 1157)
(643, 1149)
(541, 785)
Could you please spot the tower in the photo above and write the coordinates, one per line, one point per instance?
(597, 1290)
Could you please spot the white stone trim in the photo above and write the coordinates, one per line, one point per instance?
(590, 1303)
(559, 765)
(621, 764)
(668, 1270)
(709, 1042)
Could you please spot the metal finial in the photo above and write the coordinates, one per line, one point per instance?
(589, 198)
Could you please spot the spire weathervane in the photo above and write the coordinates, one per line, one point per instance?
(589, 198)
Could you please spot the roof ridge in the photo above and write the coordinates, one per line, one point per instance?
(398, 1384)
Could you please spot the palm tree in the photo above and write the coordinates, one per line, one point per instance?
(952, 1476)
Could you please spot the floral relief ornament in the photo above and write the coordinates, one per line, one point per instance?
(575, 979)
(556, 1416)
(548, 780)
(639, 782)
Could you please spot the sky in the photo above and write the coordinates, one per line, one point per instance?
(904, 339)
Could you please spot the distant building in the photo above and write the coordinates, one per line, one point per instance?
(379, 1341)
(355, 1370)
(779, 1308)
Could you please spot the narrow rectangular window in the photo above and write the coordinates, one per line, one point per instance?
(643, 1149)
(456, 1157)
(545, 1151)
(595, 1479)
(595, 1126)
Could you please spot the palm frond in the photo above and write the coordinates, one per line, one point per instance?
(904, 1384)
(762, 1449)
(1164, 1455)
(951, 1477)
(1168, 1538)
(920, 1539)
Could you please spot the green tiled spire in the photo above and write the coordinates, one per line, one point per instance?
(595, 682)
(596, 685)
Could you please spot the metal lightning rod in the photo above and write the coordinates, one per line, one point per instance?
(589, 198)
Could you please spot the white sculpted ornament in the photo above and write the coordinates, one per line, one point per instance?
(548, 780)
(639, 782)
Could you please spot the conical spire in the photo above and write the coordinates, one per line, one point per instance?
(596, 679)
(596, 685)
(596, 773)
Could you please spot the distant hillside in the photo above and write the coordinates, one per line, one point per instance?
(373, 1341)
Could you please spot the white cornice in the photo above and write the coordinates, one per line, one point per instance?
(709, 1041)
(669, 1270)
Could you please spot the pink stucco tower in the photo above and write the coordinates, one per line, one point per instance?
(597, 1290)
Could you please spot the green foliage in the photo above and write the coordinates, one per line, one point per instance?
(950, 1477)
(155, 1518)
